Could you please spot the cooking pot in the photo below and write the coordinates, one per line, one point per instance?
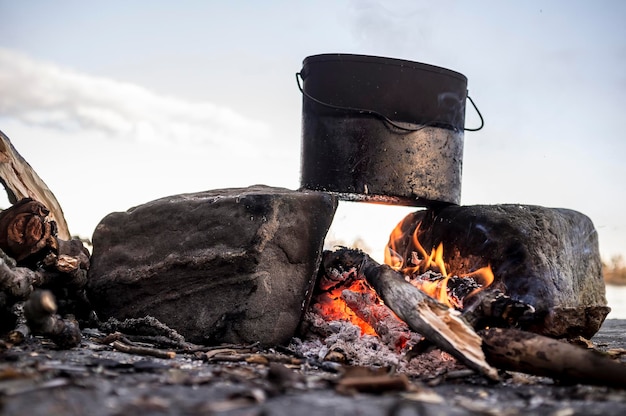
(382, 130)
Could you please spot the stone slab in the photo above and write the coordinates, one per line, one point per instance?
(226, 265)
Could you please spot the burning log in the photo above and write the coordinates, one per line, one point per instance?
(346, 296)
(365, 305)
(515, 350)
(505, 349)
(439, 324)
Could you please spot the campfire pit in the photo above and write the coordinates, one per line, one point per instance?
(512, 266)
(463, 304)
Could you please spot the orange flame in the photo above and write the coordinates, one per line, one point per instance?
(418, 261)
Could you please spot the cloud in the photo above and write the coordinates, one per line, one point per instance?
(41, 93)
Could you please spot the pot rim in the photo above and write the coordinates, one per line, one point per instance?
(378, 60)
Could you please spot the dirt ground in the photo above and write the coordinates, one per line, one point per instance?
(96, 378)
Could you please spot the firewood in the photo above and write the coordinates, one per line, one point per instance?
(27, 232)
(439, 324)
(21, 181)
(492, 308)
(525, 352)
(391, 330)
(21, 331)
(40, 311)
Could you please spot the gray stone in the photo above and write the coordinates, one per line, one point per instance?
(546, 257)
(227, 265)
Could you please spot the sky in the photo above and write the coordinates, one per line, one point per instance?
(117, 103)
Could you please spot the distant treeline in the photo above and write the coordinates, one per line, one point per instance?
(615, 270)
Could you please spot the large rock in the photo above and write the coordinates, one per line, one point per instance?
(228, 265)
(546, 257)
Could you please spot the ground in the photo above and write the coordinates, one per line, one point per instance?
(36, 378)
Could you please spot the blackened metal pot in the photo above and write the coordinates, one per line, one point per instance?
(382, 130)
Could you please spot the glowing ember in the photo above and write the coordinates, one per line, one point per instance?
(419, 261)
(343, 295)
(331, 305)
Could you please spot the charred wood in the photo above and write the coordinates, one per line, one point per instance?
(365, 305)
(439, 324)
(40, 311)
(520, 351)
(492, 308)
(21, 331)
(26, 230)
(16, 282)
(33, 256)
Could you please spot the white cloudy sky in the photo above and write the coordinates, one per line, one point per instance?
(115, 103)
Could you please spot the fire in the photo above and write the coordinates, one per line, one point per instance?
(344, 295)
(419, 261)
(333, 307)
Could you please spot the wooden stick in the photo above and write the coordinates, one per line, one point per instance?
(439, 324)
(21, 181)
(525, 352)
(133, 349)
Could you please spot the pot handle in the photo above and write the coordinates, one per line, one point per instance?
(482, 120)
(376, 113)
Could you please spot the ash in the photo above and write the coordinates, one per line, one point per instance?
(342, 342)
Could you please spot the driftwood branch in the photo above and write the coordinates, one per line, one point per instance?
(525, 352)
(21, 181)
(439, 324)
(15, 281)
